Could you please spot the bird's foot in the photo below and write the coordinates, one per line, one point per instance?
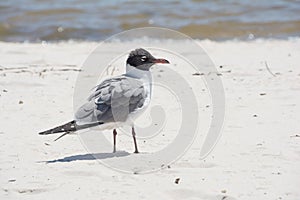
(136, 151)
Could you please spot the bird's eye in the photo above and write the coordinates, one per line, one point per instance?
(143, 58)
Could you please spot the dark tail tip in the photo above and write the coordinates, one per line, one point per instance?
(68, 127)
(44, 133)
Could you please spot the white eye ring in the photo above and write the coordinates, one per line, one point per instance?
(143, 58)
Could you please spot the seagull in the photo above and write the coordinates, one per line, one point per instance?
(116, 101)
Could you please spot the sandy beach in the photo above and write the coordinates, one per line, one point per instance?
(257, 157)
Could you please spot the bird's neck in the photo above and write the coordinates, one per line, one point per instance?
(144, 76)
(137, 73)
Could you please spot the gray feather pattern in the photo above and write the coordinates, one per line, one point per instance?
(113, 100)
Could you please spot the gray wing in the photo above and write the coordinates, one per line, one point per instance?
(112, 101)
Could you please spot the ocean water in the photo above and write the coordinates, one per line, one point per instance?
(49, 20)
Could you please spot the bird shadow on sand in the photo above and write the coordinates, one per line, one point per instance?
(94, 156)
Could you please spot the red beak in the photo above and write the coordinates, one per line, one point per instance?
(162, 61)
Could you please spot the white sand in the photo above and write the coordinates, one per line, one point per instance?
(256, 158)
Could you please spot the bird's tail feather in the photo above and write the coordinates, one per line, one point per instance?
(69, 127)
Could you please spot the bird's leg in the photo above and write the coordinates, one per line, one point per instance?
(134, 140)
(115, 136)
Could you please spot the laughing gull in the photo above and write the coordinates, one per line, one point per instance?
(116, 101)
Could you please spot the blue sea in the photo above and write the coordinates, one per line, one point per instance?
(91, 20)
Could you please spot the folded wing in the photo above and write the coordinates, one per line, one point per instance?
(112, 101)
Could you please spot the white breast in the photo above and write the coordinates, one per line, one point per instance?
(146, 78)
